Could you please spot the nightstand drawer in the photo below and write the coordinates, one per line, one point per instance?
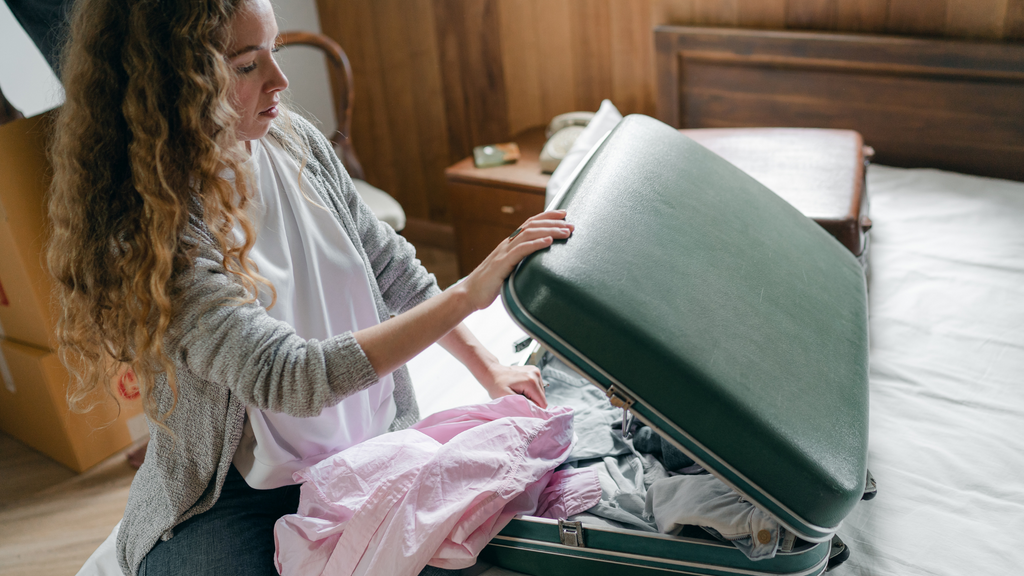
(494, 205)
(476, 240)
(484, 216)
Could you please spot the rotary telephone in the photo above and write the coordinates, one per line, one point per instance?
(562, 132)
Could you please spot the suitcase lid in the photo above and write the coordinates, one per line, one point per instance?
(716, 313)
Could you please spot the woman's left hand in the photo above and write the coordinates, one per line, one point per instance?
(525, 380)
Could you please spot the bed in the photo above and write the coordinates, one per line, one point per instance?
(947, 376)
(946, 265)
(946, 269)
(946, 272)
(946, 382)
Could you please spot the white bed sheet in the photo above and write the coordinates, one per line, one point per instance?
(947, 379)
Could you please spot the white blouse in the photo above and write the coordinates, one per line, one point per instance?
(322, 291)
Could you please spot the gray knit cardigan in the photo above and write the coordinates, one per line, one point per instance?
(229, 356)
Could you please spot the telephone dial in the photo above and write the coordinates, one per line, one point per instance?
(562, 132)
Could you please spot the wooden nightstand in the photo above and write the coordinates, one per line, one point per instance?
(489, 203)
(820, 172)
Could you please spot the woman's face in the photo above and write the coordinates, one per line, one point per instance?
(258, 80)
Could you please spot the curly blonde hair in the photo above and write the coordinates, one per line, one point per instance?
(145, 137)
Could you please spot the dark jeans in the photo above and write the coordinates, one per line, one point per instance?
(236, 536)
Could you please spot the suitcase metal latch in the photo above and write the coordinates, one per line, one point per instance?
(571, 533)
(619, 399)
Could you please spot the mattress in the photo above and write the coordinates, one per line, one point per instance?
(947, 377)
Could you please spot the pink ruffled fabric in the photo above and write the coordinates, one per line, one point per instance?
(436, 493)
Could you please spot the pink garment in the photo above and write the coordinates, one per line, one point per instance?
(433, 494)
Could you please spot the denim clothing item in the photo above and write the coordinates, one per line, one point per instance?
(595, 420)
(431, 571)
(624, 473)
(235, 537)
(624, 482)
(647, 441)
(708, 502)
(622, 491)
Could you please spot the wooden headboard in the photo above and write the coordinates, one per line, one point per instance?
(947, 104)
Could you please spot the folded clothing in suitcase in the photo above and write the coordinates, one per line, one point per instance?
(722, 318)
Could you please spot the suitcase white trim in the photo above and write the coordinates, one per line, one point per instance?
(814, 571)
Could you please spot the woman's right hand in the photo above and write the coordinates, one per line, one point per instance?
(484, 283)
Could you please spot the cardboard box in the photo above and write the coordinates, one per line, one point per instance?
(25, 286)
(34, 409)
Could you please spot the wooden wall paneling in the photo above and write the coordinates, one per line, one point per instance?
(433, 78)
(468, 36)
(715, 12)
(811, 14)
(989, 19)
(668, 84)
(449, 48)
(975, 18)
(408, 58)
(485, 87)
(632, 61)
(917, 17)
(346, 22)
(676, 12)
(427, 109)
(590, 30)
(1013, 26)
(520, 53)
(557, 65)
(862, 15)
(761, 13)
(538, 61)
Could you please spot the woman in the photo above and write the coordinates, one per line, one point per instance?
(171, 145)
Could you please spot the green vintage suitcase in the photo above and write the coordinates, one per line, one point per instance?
(723, 318)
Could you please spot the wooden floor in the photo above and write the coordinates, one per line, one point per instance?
(51, 519)
(441, 263)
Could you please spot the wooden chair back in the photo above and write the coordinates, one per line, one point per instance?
(341, 88)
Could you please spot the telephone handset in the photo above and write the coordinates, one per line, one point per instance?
(562, 132)
(568, 119)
